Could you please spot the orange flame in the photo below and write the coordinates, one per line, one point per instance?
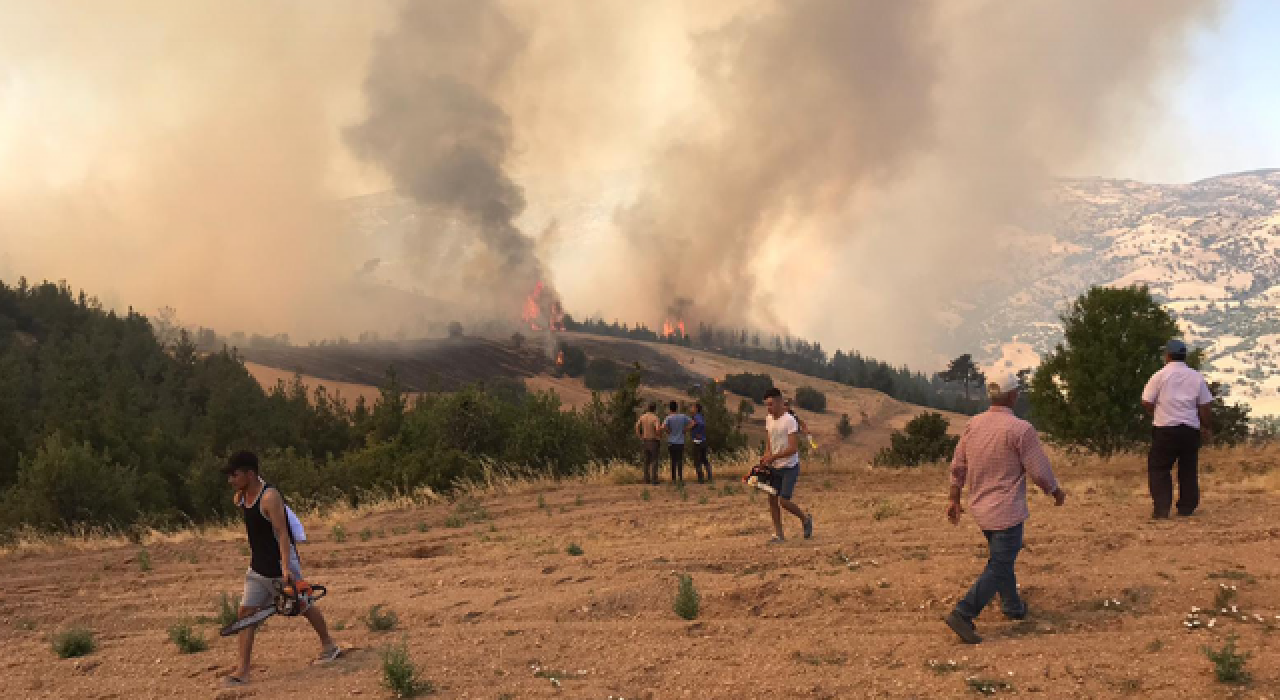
(560, 359)
(673, 328)
(533, 313)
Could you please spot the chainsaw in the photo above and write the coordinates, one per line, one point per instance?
(290, 600)
(759, 477)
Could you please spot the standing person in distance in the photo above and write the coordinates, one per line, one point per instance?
(649, 429)
(272, 558)
(996, 454)
(674, 427)
(698, 434)
(1178, 398)
(782, 454)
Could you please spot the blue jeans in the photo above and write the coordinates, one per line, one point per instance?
(998, 577)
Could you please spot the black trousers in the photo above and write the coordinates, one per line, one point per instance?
(1181, 444)
(677, 461)
(700, 460)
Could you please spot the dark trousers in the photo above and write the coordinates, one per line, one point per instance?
(677, 461)
(700, 460)
(997, 578)
(1181, 444)
(652, 450)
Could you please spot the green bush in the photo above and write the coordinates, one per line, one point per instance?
(844, 427)
(924, 441)
(186, 638)
(400, 675)
(574, 550)
(687, 602)
(68, 483)
(1228, 664)
(228, 609)
(73, 642)
(811, 399)
(753, 386)
(603, 374)
(379, 621)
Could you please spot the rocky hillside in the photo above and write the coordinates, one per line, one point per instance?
(1207, 249)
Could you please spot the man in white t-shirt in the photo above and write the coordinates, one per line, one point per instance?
(782, 454)
(1178, 399)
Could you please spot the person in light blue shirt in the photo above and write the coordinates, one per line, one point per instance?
(674, 427)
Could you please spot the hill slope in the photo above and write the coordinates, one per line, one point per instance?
(496, 607)
(1207, 249)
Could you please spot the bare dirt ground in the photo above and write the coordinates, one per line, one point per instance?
(492, 605)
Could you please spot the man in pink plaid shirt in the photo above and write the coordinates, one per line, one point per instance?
(996, 454)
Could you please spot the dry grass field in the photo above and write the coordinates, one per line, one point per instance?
(492, 604)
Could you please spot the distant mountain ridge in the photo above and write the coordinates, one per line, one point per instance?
(1207, 249)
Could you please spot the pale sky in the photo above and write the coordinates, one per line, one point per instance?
(1225, 112)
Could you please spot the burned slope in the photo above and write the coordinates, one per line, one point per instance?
(450, 364)
(420, 365)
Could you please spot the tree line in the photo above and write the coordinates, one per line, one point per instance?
(101, 424)
(801, 356)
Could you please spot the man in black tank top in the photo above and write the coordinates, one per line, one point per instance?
(272, 557)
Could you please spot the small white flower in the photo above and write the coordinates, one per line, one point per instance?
(1212, 620)
(1194, 609)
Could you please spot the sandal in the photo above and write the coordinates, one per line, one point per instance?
(328, 655)
(777, 540)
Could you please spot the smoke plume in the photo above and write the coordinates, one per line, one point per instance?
(435, 126)
(851, 168)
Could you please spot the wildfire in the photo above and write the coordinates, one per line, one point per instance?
(673, 328)
(560, 359)
(533, 313)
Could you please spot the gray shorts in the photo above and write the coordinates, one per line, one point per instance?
(259, 590)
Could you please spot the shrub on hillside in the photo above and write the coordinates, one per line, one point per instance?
(925, 440)
(575, 360)
(811, 399)
(844, 427)
(749, 385)
(71, 484)
(602, 374)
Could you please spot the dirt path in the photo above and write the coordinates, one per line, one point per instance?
(493, 606)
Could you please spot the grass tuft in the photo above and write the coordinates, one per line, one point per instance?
(574, 550)
(74, 642)
(688, 602)
(186, 638)
(379, 620)
(400, 675)
(1228, 664)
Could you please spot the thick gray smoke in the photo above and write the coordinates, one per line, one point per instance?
(853, 167)
(436, 127)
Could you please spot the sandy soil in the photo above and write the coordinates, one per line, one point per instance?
(495, 607)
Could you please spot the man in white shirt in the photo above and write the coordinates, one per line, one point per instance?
(1178, 399)
(782, 454)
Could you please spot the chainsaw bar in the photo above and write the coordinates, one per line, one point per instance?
(289, 601)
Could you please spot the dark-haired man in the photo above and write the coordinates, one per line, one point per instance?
(648, 429)
(1178, 399)
(782, 455)
(698, 434)
(272, 558)
(674, 427)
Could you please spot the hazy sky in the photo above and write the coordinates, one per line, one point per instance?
(153, 150)
(1225, 112)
